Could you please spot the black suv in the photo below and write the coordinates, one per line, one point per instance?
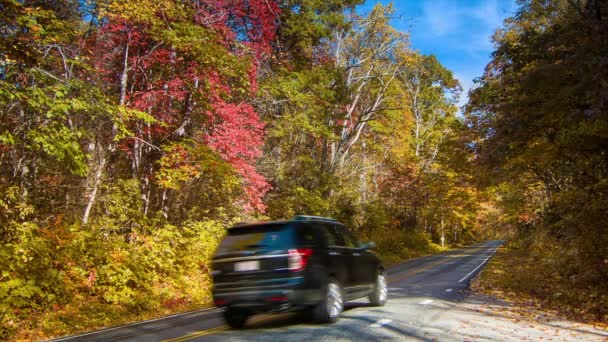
(308, 262)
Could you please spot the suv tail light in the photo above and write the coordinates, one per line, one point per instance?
(298, 258)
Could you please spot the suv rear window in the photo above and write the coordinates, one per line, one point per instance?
(265, 236)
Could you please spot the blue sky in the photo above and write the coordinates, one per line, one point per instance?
(458, 32)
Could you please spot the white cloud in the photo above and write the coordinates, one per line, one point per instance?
(487, 12)
(451, 19)
(462, 32)
(441, 17)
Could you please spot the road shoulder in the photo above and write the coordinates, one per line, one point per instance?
(493, 318)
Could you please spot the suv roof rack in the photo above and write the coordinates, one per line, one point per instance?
(311, 218)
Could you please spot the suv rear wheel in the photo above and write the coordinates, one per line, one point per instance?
(379, 294)
(330, 308)
(236, 319)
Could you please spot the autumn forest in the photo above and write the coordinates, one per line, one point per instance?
(133, 132)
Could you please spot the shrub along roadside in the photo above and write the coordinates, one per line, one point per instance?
(395, 245)
(535, 274)
(70, 278)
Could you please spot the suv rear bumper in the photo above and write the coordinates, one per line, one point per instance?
(284, 297)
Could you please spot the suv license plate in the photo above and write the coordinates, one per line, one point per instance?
(245, 266)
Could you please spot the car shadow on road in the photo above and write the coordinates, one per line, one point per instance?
(402, 332)
(280, 320)
(351, 327)
(299, 326)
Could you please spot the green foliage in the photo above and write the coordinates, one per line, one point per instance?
(13, 209)
(406, 165)
(308, 22)
(396, 245)
(60, 267)
(48, 134)
(541, 121)
(120, 207)
(32, 26)
(127, 145)
(203, 184)
(176, 166)
(306, 102)
(24, 281)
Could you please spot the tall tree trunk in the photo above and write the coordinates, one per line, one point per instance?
(146, 188)
(442, 234)
(164, 208)
(97, 176)
(125, 73)
(364, 175)
(100, 159)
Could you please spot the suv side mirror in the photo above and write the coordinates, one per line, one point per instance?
(368, 245)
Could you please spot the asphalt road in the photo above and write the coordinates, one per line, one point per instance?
(428, 301)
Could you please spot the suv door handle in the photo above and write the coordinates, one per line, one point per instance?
(333, 253)
(356, 254)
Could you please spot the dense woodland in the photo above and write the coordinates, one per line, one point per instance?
(540, 117)
(133, 132)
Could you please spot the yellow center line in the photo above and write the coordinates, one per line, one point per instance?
(196, 334)
(259, 318)
(415, 271)
(224, 327)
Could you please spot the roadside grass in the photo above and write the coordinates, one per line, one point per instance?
(531, 279)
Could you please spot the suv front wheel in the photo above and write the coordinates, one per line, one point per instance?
(379, 294)
(330, 308)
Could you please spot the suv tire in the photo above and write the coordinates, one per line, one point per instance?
(236, 319)
(379, 294)
(332, 304)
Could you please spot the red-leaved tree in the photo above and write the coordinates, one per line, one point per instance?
(186, 72)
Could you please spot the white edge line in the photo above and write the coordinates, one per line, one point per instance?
(476, 268)
(134, 324)
(430, 256)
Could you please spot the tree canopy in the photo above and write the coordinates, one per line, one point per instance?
(133, 132)
(541, 132)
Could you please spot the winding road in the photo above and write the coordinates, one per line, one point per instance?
(429, 301)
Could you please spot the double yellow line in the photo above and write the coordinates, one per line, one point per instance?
(259, 318)
(198, 334)
(193, 335)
